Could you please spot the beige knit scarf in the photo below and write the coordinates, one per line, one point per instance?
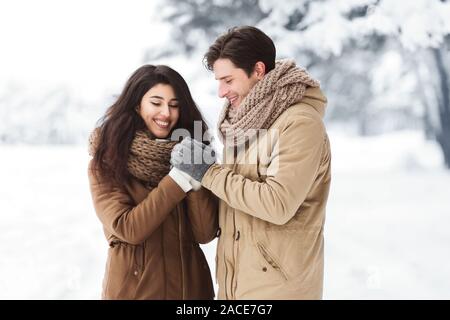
(267, 100)
(149, 159)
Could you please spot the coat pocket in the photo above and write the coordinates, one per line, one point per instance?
(269, 258)
(139, 258)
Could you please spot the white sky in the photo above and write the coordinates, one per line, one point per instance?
(92, 46)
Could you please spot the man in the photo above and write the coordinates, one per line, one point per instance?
(272, 209)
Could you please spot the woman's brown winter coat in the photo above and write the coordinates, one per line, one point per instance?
(154, 239)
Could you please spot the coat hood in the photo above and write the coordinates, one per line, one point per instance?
(316, 99)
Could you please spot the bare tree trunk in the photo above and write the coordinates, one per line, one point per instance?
(443, 136)
(363, 122)
(426, 117)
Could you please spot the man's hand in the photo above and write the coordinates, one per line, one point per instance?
(192, 157)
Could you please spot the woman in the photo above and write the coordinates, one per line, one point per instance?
(152, 219)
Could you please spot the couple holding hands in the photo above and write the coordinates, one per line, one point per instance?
(159, 196)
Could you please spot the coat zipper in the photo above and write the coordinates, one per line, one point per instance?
(181, 253)
(235, 253)
(233, 277)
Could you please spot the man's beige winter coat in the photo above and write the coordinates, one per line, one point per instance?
(272, 208)
(154, 239)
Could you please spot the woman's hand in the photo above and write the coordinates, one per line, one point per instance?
(193, 158)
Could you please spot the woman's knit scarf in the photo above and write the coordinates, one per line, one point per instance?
(267, 100)
(148, 160)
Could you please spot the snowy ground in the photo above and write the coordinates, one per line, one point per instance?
(386, 232)
(388, 219)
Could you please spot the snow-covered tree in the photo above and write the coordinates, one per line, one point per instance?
(421, 28)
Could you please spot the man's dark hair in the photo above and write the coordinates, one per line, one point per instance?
(244, 46)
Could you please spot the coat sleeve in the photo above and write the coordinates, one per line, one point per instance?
(291, 172)
(124, 219)
(202, 209)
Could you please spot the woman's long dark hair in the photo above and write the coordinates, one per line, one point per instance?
(121, 121)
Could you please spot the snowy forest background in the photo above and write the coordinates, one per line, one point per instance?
(384, 65)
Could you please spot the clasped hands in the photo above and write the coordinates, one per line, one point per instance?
(193, 158)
